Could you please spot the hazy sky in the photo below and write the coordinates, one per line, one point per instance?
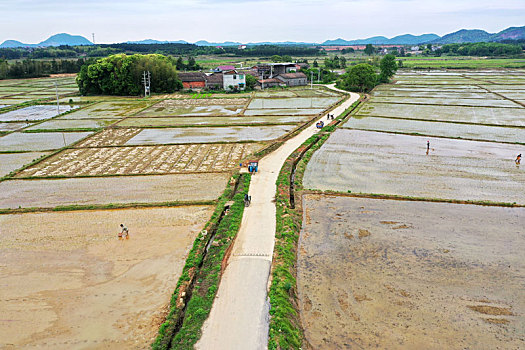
(32, 21)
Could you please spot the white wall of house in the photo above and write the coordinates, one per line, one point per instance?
(235, 80)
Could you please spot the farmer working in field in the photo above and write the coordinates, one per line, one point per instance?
(518, 159)
(124, 231)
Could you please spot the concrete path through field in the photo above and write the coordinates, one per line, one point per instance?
(239, 316)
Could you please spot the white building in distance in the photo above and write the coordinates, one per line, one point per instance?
(233, 80)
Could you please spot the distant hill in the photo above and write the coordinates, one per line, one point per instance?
(226, 43)
(512, 33)
(464, 36)
(406, 39)
(12, 43)
(55, 40)
(477, 35)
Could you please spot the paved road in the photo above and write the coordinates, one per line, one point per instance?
(239, 316)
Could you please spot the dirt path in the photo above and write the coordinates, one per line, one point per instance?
(239, 317)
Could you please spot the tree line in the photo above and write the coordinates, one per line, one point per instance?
(364, 77)
(121, 75)
(480, 49)
(37, 68)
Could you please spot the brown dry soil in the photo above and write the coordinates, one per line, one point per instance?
(69, 283)
(411, 275)
(45, 193)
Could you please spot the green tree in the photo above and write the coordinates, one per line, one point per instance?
(180, 64)
(388, 68)
(316, 64)
(361, 78)
(122, 75)
(251, 81)
(369, 49)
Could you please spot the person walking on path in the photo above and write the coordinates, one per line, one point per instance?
(124, 231)
(518, 159)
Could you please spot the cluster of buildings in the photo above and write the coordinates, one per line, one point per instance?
(229, 78)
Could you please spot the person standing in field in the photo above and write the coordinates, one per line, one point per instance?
(124, 231)
(428, 146)
(518, 159)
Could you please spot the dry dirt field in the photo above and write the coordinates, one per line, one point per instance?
(118, 189)
(69, 283)
(411, 275)
(142, 160)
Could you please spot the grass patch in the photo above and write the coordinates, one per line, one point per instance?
(75, 207)
(193, 297)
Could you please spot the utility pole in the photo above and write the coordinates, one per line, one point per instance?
(146, 80)
(93, 36)
(311, 79)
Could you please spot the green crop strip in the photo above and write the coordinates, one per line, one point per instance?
(193, 297)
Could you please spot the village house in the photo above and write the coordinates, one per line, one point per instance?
(214, 81)
(270, 82)
(293, 79)
(232, 80)
(192, 80)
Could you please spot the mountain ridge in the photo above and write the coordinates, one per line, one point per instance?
(460, 36)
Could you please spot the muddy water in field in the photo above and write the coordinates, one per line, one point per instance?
(12, 126)
(287, 111)
(381, 163)
(122, 189)
(312, 102)
(19, 141)
(64, 124)
(481, 115)
(448, 101)
(34, 113)
(211, 134)
(69, 283)
(411, 275)
(465, 131)
(182, 121)
(13, 161)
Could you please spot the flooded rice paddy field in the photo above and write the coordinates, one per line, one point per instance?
(411, 275)
(208, 135)
(432, 128)
(13, 126)
(476, 115)
(162, 159)
(395, 164)
(72, 124)
(212, 121)
(13, 161)
(196, 106)
(449, 101)
(19, 141)
(34, 113)
(283, 111)
(47, 193)
(191, 110)
(73, 284)
(312, 102)
(108, 109)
